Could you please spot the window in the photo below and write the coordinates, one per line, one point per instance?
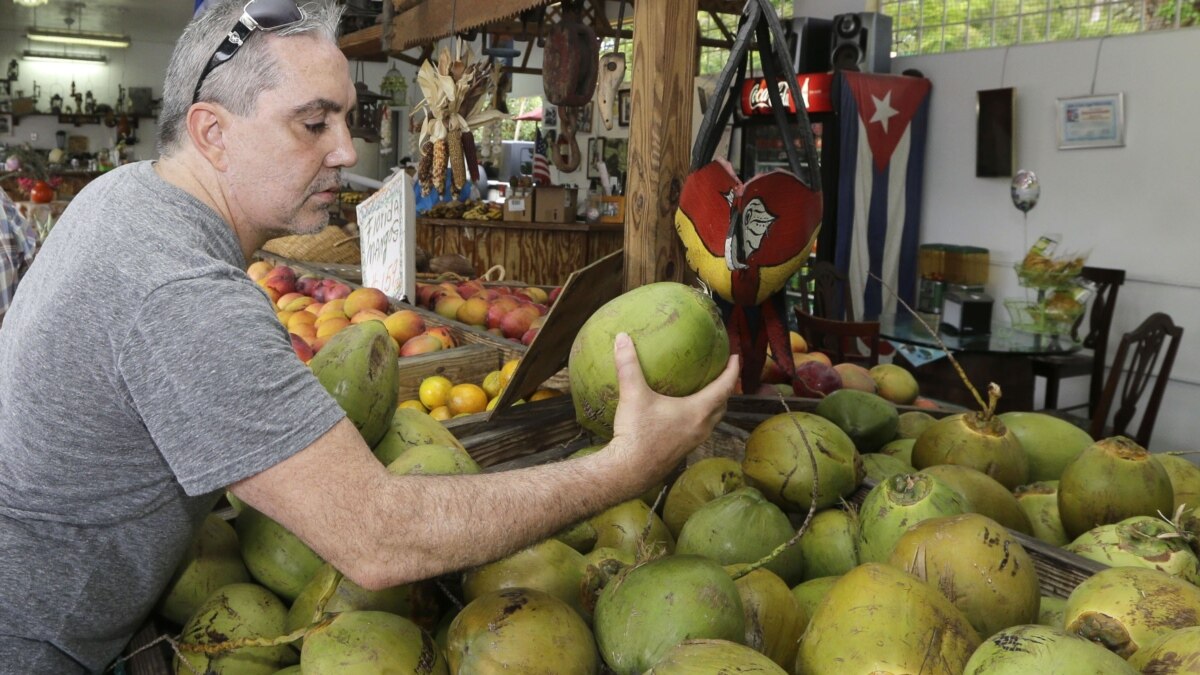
(935, 26)
(712, 59)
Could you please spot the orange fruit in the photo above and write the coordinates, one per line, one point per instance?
(507, 370)
(435, 391)
(414, 404)
(544, 393)
(467, 398)
(491, 384)
(440, 413)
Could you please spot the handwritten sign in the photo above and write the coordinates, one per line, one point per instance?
(387, 236)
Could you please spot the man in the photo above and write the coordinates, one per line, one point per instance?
(142, 372)
(18, 241)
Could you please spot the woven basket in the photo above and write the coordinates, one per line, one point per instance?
(330, 245)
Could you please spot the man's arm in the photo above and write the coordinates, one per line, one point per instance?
(381, 530)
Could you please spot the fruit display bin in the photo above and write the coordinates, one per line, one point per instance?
(478, 353)
(546, 431)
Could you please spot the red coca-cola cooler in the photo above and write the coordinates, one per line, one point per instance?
(760, 146)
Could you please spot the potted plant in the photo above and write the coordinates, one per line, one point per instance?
(34, 177)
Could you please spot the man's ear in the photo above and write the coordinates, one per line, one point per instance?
(207, 124)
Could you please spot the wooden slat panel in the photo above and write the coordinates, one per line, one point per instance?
(469, 363)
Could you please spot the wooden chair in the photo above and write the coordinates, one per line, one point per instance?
(1137, 353)
(1091, 361)
(839, 340)
(829, 295)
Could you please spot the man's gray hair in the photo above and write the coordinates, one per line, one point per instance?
(236, 84)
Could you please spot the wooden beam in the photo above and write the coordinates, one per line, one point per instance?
(362, 44)
(660, 138)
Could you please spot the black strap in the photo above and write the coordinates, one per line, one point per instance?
(711, 126)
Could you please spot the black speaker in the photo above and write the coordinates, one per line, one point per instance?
(862, 41)
(809, 41)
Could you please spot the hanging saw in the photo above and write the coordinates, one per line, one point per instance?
(612, 74)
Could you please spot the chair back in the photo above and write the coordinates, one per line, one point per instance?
(1107, 282)
(829, 295)
(839, 339)
(1138, 352)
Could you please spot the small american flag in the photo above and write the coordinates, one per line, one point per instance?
(541, 160)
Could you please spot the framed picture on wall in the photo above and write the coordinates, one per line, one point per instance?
(6, 125)
(595, 155)
(624, 107)
(1091, 121)
(585, 119)
(549, 116)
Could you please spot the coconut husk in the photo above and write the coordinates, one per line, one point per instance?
(452, 262)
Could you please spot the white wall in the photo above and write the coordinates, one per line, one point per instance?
(1136, 208)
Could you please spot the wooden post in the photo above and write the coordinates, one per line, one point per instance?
(660, 138)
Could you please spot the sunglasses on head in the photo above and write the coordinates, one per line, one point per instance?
(266, 15)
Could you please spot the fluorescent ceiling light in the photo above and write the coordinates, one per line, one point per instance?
(78, 37)
(67, 58)
(31, 3)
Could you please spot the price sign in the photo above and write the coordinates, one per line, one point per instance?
(387, 222)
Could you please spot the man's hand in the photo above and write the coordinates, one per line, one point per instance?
(653, 432)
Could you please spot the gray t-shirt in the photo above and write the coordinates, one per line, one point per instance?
(141, 372)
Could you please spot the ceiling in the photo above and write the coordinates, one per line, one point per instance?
(142, 20)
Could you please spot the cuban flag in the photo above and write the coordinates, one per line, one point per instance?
(884, 120)
(541, 159)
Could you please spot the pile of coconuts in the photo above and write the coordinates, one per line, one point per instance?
(926, 576)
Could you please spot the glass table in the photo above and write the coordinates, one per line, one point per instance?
(1003, 356)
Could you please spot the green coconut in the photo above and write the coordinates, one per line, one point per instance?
(829, 546)
(409, 428)
(709, 657)
(778, 463)
(275, 557)
(774, 619)
(984, 495)
(434, 460)
(598, 556)
(233, 612)
(1127, 608)
(1175, 652)
(867, 419)
(699, 484)
(212, 560)
(977, 564)
(742, 527)
(681, 342)
(650, 496)
(1140, 541)
(1050, 611)
(581, 536)
(1039, 501)
(880, 467)
(976, 440)
(912, 423)
(1110, 481)
(549, 566)
(810, 593)
(360, 368)
(330, 592)
(370, 642)
(627, 523)
(650, 608)
(290, 670)
(898, 503)
(520, 630)
(1049, 442)
(879, 619)
(901, 449)
(1185, 479)
(1021, 650)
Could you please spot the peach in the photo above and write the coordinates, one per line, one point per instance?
(799, 344)
(819, 357)
(306, 331)
(367, 315)
(425, 294)
(554, 293)
(302, 349)
(272, 294)
(469, 289)
(421, 344)
(366, 298)
(307, 283)
(258, 269)
(283, 316)
(295, 304)
(281, 278)
(498, 309)
(443, 334)
(515, 323)
(404, 324)
(331, 327)
(336, 307)
(473, 311)
(298, 319)
(333, 290)
(329, 316)
(537, 295)
(314, 308)
(922, 402)
(855, 376)
(772, 373)
(448, 306)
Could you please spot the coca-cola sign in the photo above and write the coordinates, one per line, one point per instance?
(814, 89)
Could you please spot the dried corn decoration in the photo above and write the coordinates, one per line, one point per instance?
(456, 101)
